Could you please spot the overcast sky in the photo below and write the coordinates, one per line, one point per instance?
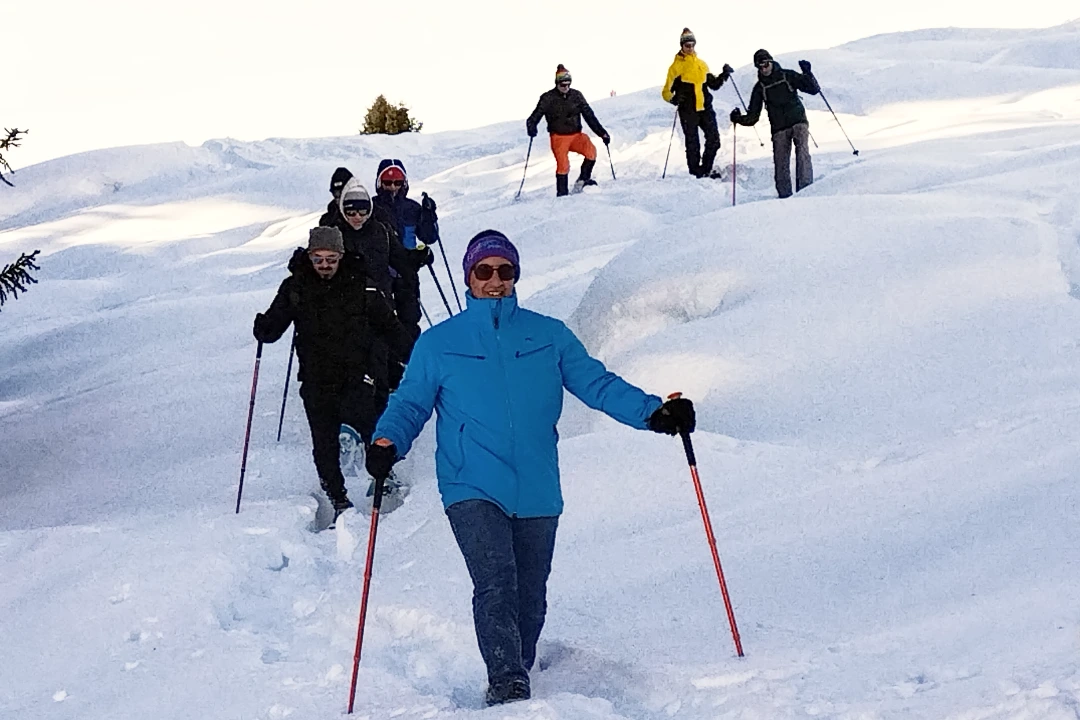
(84, 75)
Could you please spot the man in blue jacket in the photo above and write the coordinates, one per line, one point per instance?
(494, 375)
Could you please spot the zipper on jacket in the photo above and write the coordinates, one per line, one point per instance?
(509, 410)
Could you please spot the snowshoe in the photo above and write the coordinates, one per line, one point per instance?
(394, 493)
(340, 505)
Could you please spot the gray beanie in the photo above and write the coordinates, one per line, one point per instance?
(326, 238)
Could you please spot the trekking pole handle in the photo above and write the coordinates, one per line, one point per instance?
(688, 446)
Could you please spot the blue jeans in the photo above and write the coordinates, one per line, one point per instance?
(509, 560)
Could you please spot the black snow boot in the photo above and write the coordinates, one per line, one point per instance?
(341, 504)
(585, 178)
(506, 691)
(562, 185)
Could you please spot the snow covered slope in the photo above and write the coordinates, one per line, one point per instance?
(887, 369)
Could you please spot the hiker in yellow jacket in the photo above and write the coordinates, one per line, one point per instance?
(687, 87)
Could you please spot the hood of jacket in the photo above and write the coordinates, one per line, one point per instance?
(389, 163)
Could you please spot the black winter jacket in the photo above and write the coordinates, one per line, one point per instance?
(563, 113)
(384, 255)
(338, 323)
(779, 94)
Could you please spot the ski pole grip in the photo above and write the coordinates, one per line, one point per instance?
(688, 447)
(377, 493)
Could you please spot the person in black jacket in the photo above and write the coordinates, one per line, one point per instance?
(339, 319)
(777, 90)
(387, 260)
(563, 108)
(332, 215)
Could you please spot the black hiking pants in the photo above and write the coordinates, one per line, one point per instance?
(357, 403)
(697, 163)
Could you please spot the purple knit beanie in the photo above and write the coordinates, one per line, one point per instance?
(490, 243)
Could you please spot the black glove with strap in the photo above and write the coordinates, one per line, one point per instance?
(674, 416)
(606, 138)
(427, 203)
(531, 129)
(728, 70)
(380, 460)
(736, 116)
(805, 67)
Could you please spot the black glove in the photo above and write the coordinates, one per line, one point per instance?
(531, 129)
(674, 416)
(427, 203)
(728, 70)
(736, 116)
(606, 138)
(674, 100)
(259, 328)
(805, 67)
(380, 460)
(426, 257)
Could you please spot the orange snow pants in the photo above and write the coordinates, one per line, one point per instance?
(563, 145)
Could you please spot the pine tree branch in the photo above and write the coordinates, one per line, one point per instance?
(9, 140)
(16, 277)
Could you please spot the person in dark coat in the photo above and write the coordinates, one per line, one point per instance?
(687, 87)
(777, 90)
(563, 109)
(332, 216)
(386, 260)
(393, 206)
(339, 319)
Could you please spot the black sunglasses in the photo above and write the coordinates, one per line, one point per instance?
(485, 272)
(393, 183)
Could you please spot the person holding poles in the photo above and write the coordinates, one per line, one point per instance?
(687, 87)
(494, 375)
(338, 319)
(563, 109)
(777, 89)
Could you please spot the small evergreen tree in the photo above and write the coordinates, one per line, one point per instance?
(10, 140)
(15, 277)
(384, 119)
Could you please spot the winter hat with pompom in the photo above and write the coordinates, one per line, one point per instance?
(686, 37)
(561, 74)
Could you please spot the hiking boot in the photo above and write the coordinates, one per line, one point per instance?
(562, 185)
(505, 691)
(340, 504)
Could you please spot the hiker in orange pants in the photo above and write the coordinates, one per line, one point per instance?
(563, 109)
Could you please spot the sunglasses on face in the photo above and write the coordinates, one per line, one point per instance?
(356, 213)
(564, 84)
(393, 183)
(689, 44)
(331, 261)
(765, 64)
(485, 272)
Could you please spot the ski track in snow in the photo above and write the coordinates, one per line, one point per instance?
(886, 369)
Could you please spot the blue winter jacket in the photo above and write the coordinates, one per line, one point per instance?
(495, 375)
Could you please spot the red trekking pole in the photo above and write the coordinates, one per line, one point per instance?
(376, 503)
(692, 460)
(247, 433)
